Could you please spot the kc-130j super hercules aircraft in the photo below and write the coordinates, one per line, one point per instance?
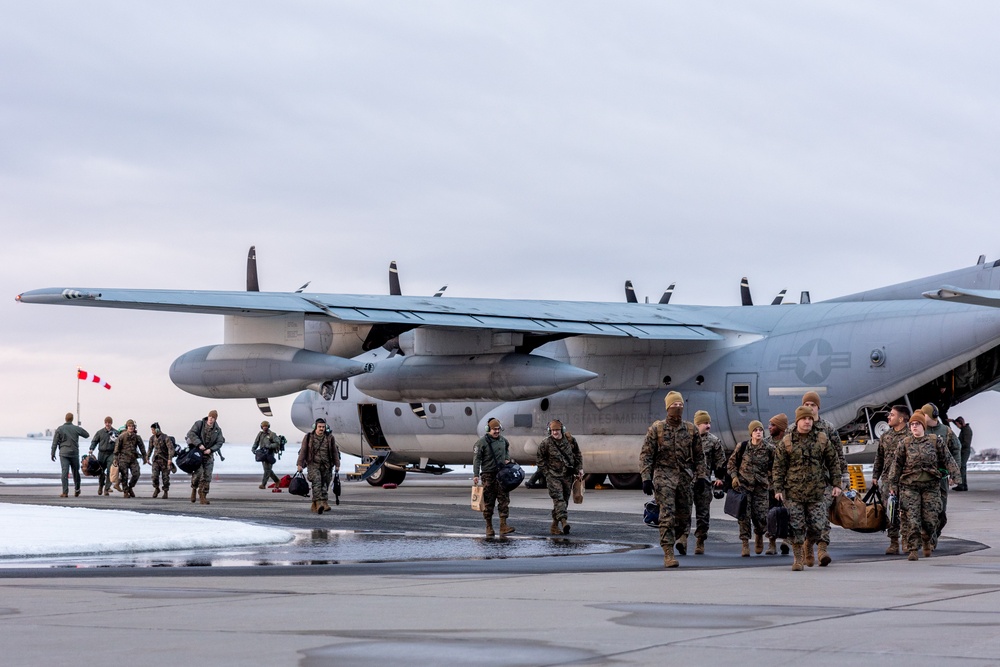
(409, 381)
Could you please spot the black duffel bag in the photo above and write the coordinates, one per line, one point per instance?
(264, 455)
(651, 514)
(298, 485)
(189, 460)
(510, 476)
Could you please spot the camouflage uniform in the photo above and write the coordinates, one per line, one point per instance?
(884, 457)
(67, 440)
(845, 477)
(161, 453)
(715, 462)
(128, 448)
(965, 439)
(489, 455)
(754, 475)
(201, 434)
(954, 447)
(803, 464)
(672, 457)
(104, 442)
(267, 440)
(916, 476)
(559, 461)
(319, 455)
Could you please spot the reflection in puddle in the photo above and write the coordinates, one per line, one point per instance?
(331, 547)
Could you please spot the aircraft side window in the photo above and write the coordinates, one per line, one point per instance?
(741, 394)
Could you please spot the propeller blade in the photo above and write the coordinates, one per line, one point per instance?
(299, 290)
(778, 299)
(252, 284)
(264, 405)
(665, 299)
(394, 288)
(804, 297)
(440, 292)
(745, 292)
(630, 292)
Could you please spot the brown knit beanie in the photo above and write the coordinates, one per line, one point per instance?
(702, 417)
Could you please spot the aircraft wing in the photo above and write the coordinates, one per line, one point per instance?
(565, 318)
(974, 297)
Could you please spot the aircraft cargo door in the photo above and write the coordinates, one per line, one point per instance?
(371, 428)
(741, 401)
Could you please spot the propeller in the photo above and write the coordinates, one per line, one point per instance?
(252, 284)
(630, 292)
(745, 292)
(804, 297)
(665, 299)
(778, 299)
(394, 288)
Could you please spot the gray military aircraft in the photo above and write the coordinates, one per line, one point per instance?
(409, 381)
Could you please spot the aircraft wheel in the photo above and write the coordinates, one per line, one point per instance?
(591, 480)
(393, 475)
(629, 480)
(379, 477)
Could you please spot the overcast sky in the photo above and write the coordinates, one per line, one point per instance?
(508, 149)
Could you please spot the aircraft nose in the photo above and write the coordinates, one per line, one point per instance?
(302, 411)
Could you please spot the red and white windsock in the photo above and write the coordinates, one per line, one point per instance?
(84, 375)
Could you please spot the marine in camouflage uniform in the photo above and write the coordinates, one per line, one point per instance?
(66, 440)
(803, 463)
(811, 400)
(884, 456)
(916, 479)
(161, 455)
(321, 456)
(489, 454)
(267, 439)
(206, 436)
(104, 443)
(951, 443)
(128, 447)
(750, 469)
(965, 439)
(560, 461)
(776, 427)
(715, 462)
(670, 460)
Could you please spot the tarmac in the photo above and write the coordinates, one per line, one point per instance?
(612, 607)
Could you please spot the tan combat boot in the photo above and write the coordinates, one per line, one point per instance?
(668, 558)
(682, 545)
(913, 555)
(772, 547)
(505, 527)
(314, 507)
(893, 549)
(203, 498)
(699, 546)
(554, 528)
(797, 556)
(808, 555)
(326, 505)
(165, 494)
(194, 494)
(823, 555)
(758, 544)
(489, 527)
(746, 549)
(156, 491)
(262, 486)
(927, 548)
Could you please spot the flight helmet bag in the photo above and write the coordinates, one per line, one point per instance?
(651, 514)
(189, 460)
(510, 476)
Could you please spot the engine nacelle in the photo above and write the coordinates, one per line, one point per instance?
(256, 370)
(485, 377)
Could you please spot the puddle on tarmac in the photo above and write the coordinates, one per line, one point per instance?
(329, 547)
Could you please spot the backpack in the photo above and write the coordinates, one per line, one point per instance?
(189, 460)
(282, 441)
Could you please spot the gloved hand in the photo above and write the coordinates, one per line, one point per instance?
(736, 483)
(647, 487)
(700, 485)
